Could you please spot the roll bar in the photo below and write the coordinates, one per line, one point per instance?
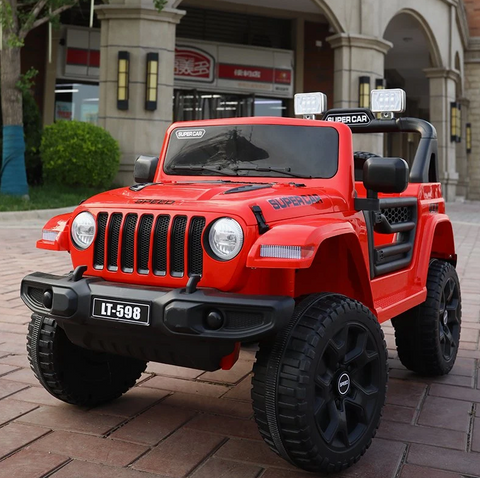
(361, 121)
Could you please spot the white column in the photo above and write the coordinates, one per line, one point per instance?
(136, 27)
(356, 56)
(443, 91)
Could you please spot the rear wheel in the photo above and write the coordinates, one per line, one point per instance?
(319, 387)
(74, 374)
(428, 335)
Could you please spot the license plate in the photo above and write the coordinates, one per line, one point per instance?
(121, 311)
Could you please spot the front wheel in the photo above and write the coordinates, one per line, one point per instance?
(320, 386)
(74, 374)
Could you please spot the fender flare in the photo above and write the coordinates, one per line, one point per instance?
(61, 225)
(308, 236)
(438, 241)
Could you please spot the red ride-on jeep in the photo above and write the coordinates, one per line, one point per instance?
(260, 229)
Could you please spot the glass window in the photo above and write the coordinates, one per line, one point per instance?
(269, 107)
(197, 105)
(76, 101)
(253, 150)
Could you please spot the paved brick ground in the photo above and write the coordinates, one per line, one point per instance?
(179, 422)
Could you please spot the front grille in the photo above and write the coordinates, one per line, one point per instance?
(128, 243)
(159, 259)
(177, 246)
(143, 243)
(99, 250)
(195, 250)
(113, 240)
(147, 244)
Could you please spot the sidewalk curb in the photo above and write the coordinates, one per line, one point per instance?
(38, 214)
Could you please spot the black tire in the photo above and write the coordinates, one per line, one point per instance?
(74, 374)
(428, 335)
(302, 411)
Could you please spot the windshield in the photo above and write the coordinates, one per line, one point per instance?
(253, 150)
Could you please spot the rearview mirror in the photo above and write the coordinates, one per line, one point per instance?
(145, 169)
(385, 175)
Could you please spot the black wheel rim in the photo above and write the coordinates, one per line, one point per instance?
(449, 319)
(344, 412)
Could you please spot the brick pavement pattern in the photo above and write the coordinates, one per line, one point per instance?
(185, 423)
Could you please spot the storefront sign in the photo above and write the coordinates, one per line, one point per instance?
(242, 72)
(193, 64)
(81, 54)
(234, 68)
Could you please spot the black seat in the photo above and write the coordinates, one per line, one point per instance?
(359, 158)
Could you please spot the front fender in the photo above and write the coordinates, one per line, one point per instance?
(58, 227)
(307, 235)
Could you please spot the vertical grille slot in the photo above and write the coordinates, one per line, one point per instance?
(195, 250)
(143, 243)
(113, 241)
(160, 239)
(99, 251)
(128, 242)
(177, 246)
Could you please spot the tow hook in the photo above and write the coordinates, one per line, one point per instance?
(192, 283)
(77, 274)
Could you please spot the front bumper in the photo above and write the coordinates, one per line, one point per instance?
(173, 313)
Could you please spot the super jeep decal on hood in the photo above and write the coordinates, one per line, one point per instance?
(295, 201)
(154, 201)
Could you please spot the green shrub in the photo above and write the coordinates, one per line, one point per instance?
(79, 154)
(32, 125)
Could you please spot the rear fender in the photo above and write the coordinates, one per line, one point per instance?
(308, 236)
(58, 228)
(437, 242)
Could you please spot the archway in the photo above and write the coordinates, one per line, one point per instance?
(414, 50)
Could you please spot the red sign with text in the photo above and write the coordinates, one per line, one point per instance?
(234, 68)
(242, 72)
(193, 64)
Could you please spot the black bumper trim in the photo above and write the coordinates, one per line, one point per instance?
(174, 312)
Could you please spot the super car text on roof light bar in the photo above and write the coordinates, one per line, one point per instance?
(310, 104)
(388, 101)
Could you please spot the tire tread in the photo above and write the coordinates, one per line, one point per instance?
(292, 419)
(43, 339)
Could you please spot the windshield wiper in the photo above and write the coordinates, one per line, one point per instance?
(234, 170)
(273, 169)
(213, 169)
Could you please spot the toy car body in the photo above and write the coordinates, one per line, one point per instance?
(259, 229)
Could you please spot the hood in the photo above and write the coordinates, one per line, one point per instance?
(278, 201)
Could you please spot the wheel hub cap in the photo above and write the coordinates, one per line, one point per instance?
(343, 384)
(445, 317)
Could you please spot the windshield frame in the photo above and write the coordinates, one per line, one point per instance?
(244, 123)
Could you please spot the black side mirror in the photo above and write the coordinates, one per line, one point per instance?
(145, 168)
(385, 175)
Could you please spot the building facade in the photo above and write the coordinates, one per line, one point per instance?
(139, 70)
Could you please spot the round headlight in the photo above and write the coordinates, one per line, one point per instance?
(225, 238)
(83, 230)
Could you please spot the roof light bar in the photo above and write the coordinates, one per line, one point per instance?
(388, 101)
(310, 104)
